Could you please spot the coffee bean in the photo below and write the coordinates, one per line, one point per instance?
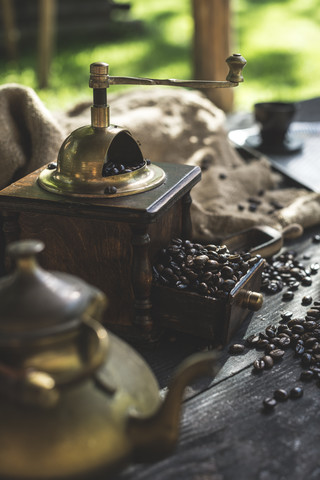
(228, 285)
(306, 300)
(51, 166)
(299, 349)
(271, 331)
(296, 392)
(306, 375)
(252, 340)
(270, 347)
(294, 285)
(277, 354)
(258, 364)
(310, 342)
(298, 329)
(213, 265)
(269, 403)
(284, 342)
(313, 313)
(306, 281)
(288, 295)
(227, 272)
(181, 285)
(306, 359)
(314, 268)
(237, 348)
(316, 239)
(268, 361)
(201, 260)
(287, 315)
(262, 343)
(281, 395)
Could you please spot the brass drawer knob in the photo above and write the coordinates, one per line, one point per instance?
(251, 300)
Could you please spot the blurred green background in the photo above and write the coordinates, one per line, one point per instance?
(279, 39)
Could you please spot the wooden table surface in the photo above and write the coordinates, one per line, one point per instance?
(226, 433)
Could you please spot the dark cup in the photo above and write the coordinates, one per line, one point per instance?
(274, 119)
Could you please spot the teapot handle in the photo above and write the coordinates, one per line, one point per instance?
(36, 387)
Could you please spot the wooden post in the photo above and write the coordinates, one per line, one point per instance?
(10, 29)
(46, 35)
(212, 47)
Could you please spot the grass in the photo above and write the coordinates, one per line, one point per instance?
(278, 38)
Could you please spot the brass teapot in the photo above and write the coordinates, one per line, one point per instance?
(75, 400)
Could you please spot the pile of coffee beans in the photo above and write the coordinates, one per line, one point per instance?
(298, 334)
(110, 169)
(286, 272)
(208, 270)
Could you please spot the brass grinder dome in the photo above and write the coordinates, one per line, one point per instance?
(83, 157)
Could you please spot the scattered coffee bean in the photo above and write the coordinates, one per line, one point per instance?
(306, 281)
(306, 300)
(298, 328)
(281, 395)
(306, 375)
(51, 166)
(258, 364)
(262, 343)
(268, 361)
(288, 295)
(299, 349)
(277, 354)
(314, 268)
(269, 403)
(316, 239)
(271, 331)
(296, 392)
(285, 316)
(236, 348)
(269, 348)
(252, 340)
(284, 342)
(306, 359)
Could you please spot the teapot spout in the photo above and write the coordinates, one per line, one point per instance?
(156, 436)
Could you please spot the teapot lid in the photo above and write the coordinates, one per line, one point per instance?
(35, 303)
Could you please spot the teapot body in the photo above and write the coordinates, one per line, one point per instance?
(84, 433)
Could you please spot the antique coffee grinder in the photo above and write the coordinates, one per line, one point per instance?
(103, 210)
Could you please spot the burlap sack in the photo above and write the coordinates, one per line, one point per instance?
(29, 134)
(172, 125)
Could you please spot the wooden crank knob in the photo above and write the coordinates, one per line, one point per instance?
(236, 63)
